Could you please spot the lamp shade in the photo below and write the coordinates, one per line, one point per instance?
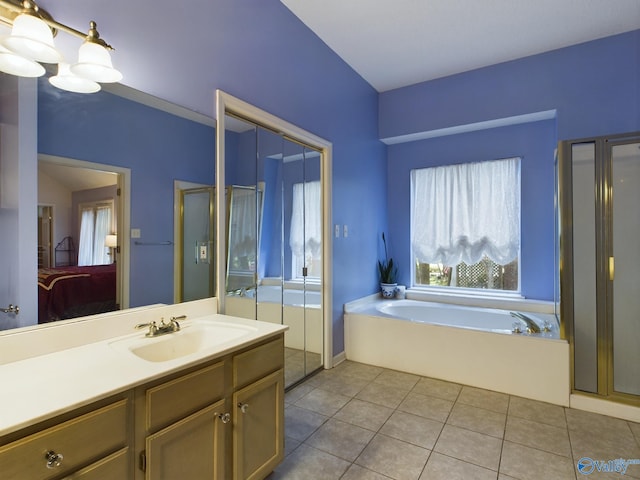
(32, 38)
(66, 80)
(15, 64)
(111, 241)
(94, 63)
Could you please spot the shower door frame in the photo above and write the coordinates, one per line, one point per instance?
(603, 146)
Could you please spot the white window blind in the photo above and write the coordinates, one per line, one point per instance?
(461, 213)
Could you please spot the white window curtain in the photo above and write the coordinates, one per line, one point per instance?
(102, 229)
(95, 225)
(85, 246)
(305, 236)
(461, 213)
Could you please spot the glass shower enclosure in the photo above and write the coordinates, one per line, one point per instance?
(601, 259)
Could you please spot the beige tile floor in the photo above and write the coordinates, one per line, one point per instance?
(357, 421)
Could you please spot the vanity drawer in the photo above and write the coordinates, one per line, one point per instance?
(80, 441)
(258, 362)
(176, 399)
(115, 466)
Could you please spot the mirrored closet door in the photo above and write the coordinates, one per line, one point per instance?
(274, 233)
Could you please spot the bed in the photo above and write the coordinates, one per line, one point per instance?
(69, 292)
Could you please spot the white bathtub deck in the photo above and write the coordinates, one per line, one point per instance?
(531, 367)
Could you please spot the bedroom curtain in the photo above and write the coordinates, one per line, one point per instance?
(461, 213)
(95, 225)
(102, 229)
(305, 236)
(85, 246)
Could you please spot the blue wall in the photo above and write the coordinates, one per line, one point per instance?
(264, 55)
(158, 148)
(267, 57)
(533, 142)
(594, 86)
(591, 89)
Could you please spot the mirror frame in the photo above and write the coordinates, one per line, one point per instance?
(226, 103)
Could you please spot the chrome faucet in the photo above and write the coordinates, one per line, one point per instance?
(156, 330)
(532, 327)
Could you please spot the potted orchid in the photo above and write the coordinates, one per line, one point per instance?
(388, 273)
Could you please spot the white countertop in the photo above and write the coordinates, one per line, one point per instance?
(43, 386)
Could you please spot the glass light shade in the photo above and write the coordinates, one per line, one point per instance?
(32, 38)
(94, 63)
(111, 241)
(66, 80)
(14, 64)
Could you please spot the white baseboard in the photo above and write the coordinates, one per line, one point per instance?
(605, 407)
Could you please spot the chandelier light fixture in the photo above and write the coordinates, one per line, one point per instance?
(31, 43)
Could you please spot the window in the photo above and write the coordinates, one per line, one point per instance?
(305, 237)
(465, 225)
(95, 225)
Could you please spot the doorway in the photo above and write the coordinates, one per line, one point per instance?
(63, 181)
(194, 252)
(45, 236)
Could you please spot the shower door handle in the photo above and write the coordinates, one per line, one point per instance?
(612, 268)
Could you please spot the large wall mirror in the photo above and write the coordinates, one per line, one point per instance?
(140, 164)
(276, 230)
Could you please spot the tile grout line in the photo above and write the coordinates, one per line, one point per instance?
(376, 432)
(504, 435)
(573, 459)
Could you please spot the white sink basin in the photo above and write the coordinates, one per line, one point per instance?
(192, 338)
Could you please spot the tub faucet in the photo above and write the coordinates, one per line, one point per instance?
(532, 327)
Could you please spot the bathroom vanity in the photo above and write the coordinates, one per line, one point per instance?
(204, 402)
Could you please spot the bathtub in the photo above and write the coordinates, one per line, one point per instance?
(288, 296)
(483, 319)
(461, 344)
(294, 307)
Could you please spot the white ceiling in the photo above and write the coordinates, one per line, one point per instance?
(395, 43)
(75, 178)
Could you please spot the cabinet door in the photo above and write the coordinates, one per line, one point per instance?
(114, 467)
(258, 433)
(192, 448)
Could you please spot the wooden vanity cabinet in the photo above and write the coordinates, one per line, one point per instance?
(87, 446)
(258, 417)
(184, 426)
(220, 421)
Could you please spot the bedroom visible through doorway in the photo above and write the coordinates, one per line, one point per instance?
(83, 208)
